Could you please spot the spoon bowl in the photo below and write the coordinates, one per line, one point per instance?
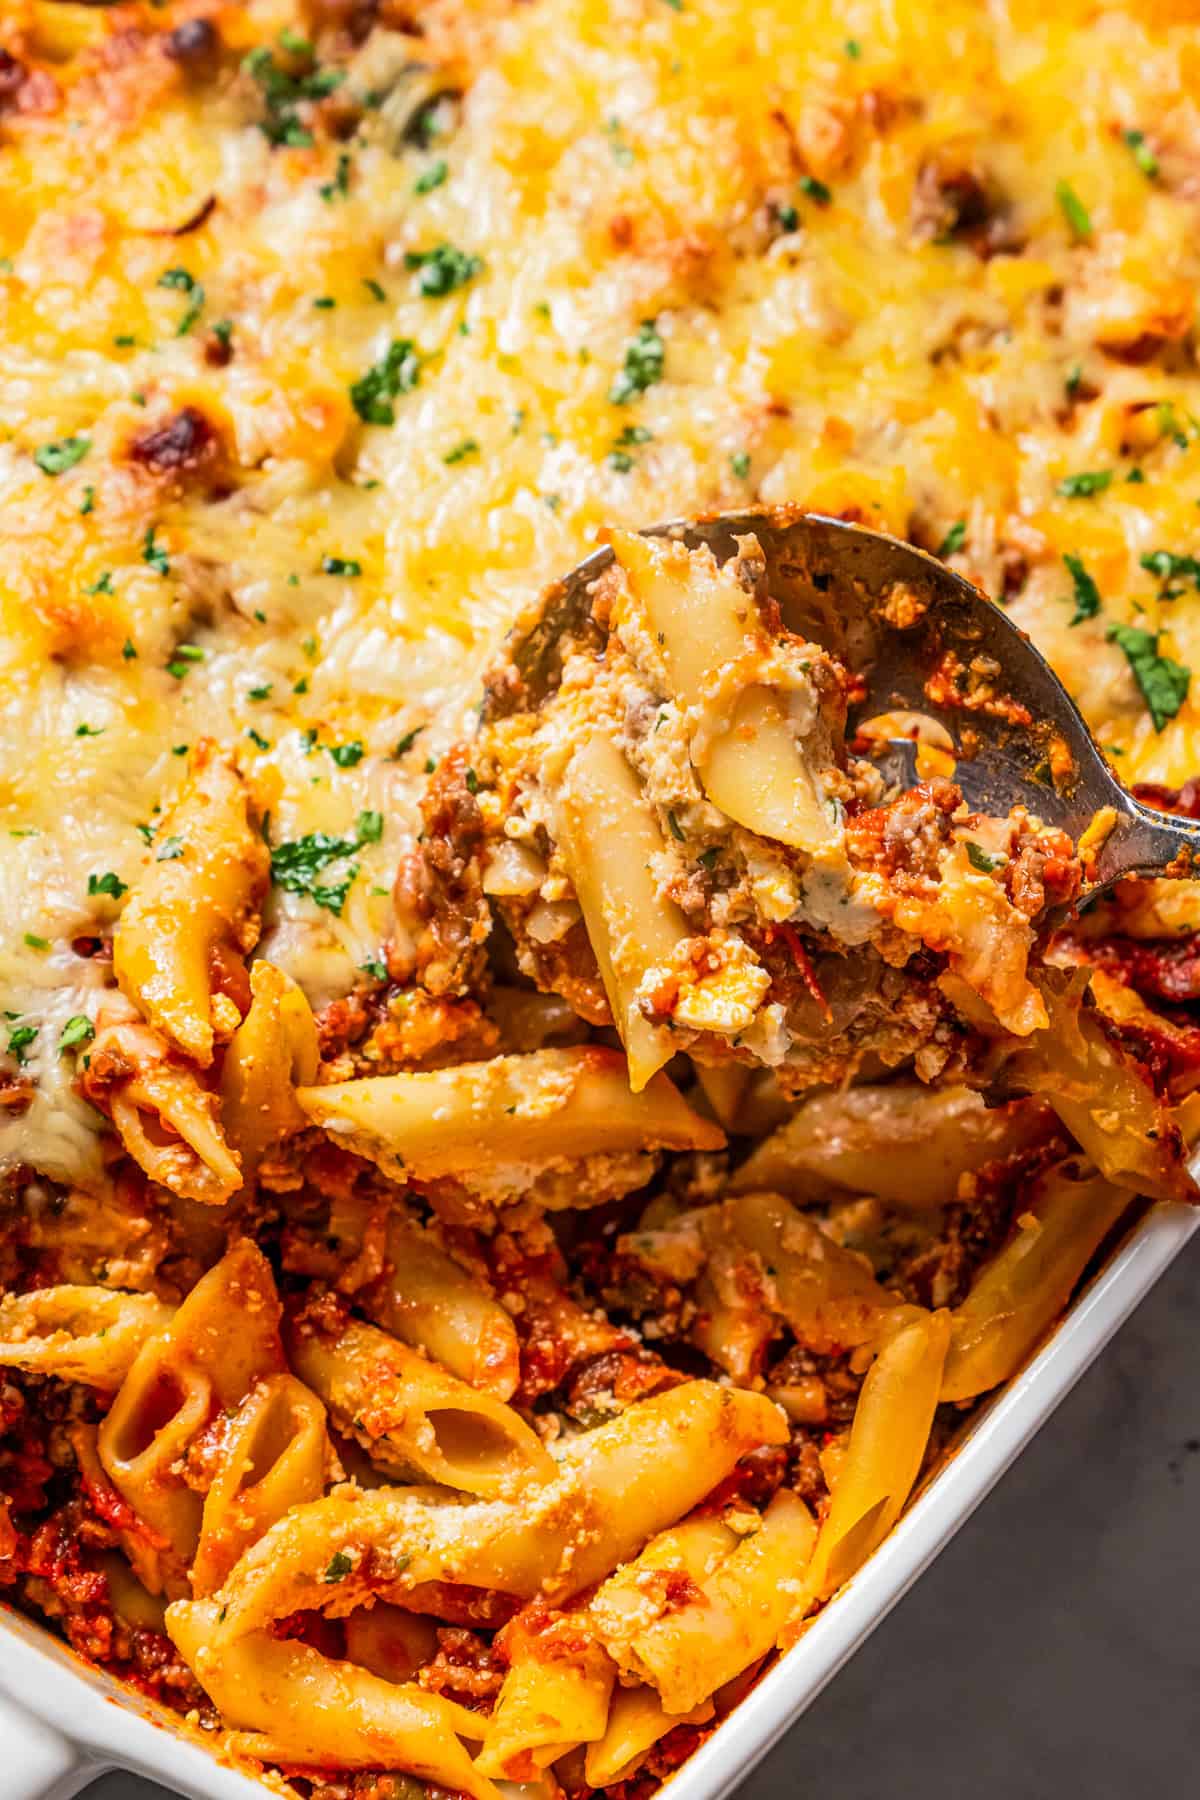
(922, 641)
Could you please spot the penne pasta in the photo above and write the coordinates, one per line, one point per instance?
(197, 898)
(430, 1302)
(287, 1701)
(274, 1454)
(687, 1630)
(86, 1334)
(887, 1443)
(412, 1417)
(555, 1697)
(553, 1105)
(637, 1720)
(710, 636)
(1018, 1294)
(273, 1051)
(609, 841)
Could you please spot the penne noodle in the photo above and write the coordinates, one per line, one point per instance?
(637, 1720)
(190, 904)
(887, 1444)
(609, 841)
(430, 1302)
(274, 1454)
(708, 629)
(553, 1104)
(273, 1051)
(86, 1334)
(555, 1696)
(287, 1701)
(415, 1419)
(1017, 1296)
(687, 1637)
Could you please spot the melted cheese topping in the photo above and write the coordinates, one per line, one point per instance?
(918, 262)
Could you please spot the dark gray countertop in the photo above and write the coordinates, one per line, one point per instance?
(1054, 1648)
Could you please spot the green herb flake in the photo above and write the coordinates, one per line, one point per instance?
(853, 49)
(472, 781)
(20, 1040)
(739, 462)
(645, 361)
(1163, 683)
(1143, 155)
(84, 730)
(396, 373)
(406, 742)
(816, 190)
(979, 859)
(462, 451)
(103, 583)
(348, 755)
(108, 884)
(441, 270)
(341, 565)
(324, 303)
(128, 650)
(77, 1030)
(1169, 567)
(432, 177)
(339, 1566)
(89, 501)
(170, 850)
(376, 970)
(184, 657)
(1087, 482)
(153, 552)
(57, 458)
(283, 93)
(1087, 594)
(299, 864)
(34, 942)
(185, 283)
(339, 187)
(673, 822)
(261, 693)
(1079, 220)
(257, 739)
(954, 539)
(374, 288)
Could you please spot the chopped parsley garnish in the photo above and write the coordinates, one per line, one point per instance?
(102, 584)
(406, 742)
(645, 360)
(57, 458)
(787, 216)
(109, 884)
(20, 1040)
(1074, 380)
(376, 970)
(261, 693)
(622, 152)
(346, 756)
(673, 822)
(324, 303)
(739, 462)
(442, 269)
(186, 283)
(339, 187)
(222, 330)
(89, 730)
(1170, 567)
(185, 655)
(979, 859)
(1163, 683)
(1087, 594)
(397, 372)
(299, 865)
(283, 92)
(432, 177)
(89, 501)
(35, 942)
(341, 565)
(339, 1566)
(128, 650)
(472, 781)
(170, 850)
(462, 451)
(1088, 481)
(816, 190)
(954, 539)
(620, 460)
(853, 49)
(257, 739)
(77, 1030)
(374, 288)
(1079, 219)
(1143, 155)
(153, 552)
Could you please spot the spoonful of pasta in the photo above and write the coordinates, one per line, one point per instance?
(773, 788)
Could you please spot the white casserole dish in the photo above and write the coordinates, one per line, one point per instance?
(62, 1724)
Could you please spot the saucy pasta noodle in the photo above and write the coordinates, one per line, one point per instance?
(522, 1144)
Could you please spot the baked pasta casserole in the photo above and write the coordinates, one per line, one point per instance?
(508, 1189)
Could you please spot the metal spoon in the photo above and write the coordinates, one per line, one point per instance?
(896, 617)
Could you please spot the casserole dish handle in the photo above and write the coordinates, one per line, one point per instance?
(37, 1762)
